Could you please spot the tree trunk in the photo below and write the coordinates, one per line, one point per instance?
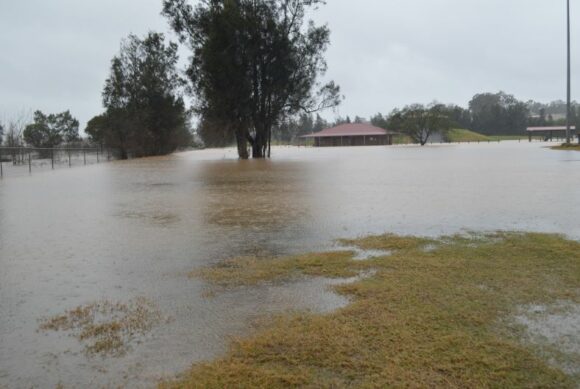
(258, 149)
(269, 142)
(260, 145)
(242, 144)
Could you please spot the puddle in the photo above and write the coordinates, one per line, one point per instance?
(555, 330)
(365, 255)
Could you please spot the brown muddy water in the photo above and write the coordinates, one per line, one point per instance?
(136, 229)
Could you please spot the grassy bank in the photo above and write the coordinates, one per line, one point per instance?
(461, 135)
(567, 146)
(434, 313)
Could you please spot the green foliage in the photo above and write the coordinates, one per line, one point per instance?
(380, 121)
(498, 113)
(253, 64)
(459, 116)
(145, 113)
(420, 122)
(215, 133)
(51, 130)
(97, 128)
(290, 129)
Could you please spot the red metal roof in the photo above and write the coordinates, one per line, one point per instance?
(349, 129)
(553, 128)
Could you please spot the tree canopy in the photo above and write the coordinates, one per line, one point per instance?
(498, 113)
(254, 63)
(145, 113)
(420, 122)
(51, 130)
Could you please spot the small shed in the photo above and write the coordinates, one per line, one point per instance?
(548, 132)
(352, 134)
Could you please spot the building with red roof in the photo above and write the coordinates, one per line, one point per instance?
(352, 134)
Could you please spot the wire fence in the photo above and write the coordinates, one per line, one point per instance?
(19, 160)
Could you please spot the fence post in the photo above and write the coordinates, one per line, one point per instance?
(85, 156)
(1, 170)
(29, 163)
(97, 155)
(108, 154)
(52, 157)
(69, 164)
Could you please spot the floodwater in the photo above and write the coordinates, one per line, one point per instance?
(129, 229)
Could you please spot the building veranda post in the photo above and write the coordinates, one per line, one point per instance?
(352, 135)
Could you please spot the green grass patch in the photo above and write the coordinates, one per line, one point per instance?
(567, 146)
(402, 139)
(495, 138)
(435, 313)
(255, 270)
(462, 135)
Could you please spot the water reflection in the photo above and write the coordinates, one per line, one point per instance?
(260, 195)
(136, 228)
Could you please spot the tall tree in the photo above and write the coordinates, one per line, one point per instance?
(51, 130)
(420, 122)
(459, 116)
(1, 134)
(97, 128)
(145, 113)
(498, 113)
(254, 63)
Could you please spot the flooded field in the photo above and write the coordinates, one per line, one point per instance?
(134, 230)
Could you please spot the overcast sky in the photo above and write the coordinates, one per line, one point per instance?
(55, 54)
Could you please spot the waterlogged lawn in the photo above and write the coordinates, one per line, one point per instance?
(435, 312)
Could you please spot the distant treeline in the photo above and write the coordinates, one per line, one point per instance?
(41, 130)
(486, 113)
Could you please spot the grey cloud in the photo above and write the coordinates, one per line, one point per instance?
(384, 53)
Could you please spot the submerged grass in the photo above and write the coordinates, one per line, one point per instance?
(106, 328)
(254, 270)
(425, 318)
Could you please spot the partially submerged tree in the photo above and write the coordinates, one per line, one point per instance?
(254, 63)
(145, 113)
(420, 122)
(51, 130)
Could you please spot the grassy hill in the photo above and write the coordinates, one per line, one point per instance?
(461, 135)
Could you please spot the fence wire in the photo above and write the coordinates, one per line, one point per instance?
(20, 160)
